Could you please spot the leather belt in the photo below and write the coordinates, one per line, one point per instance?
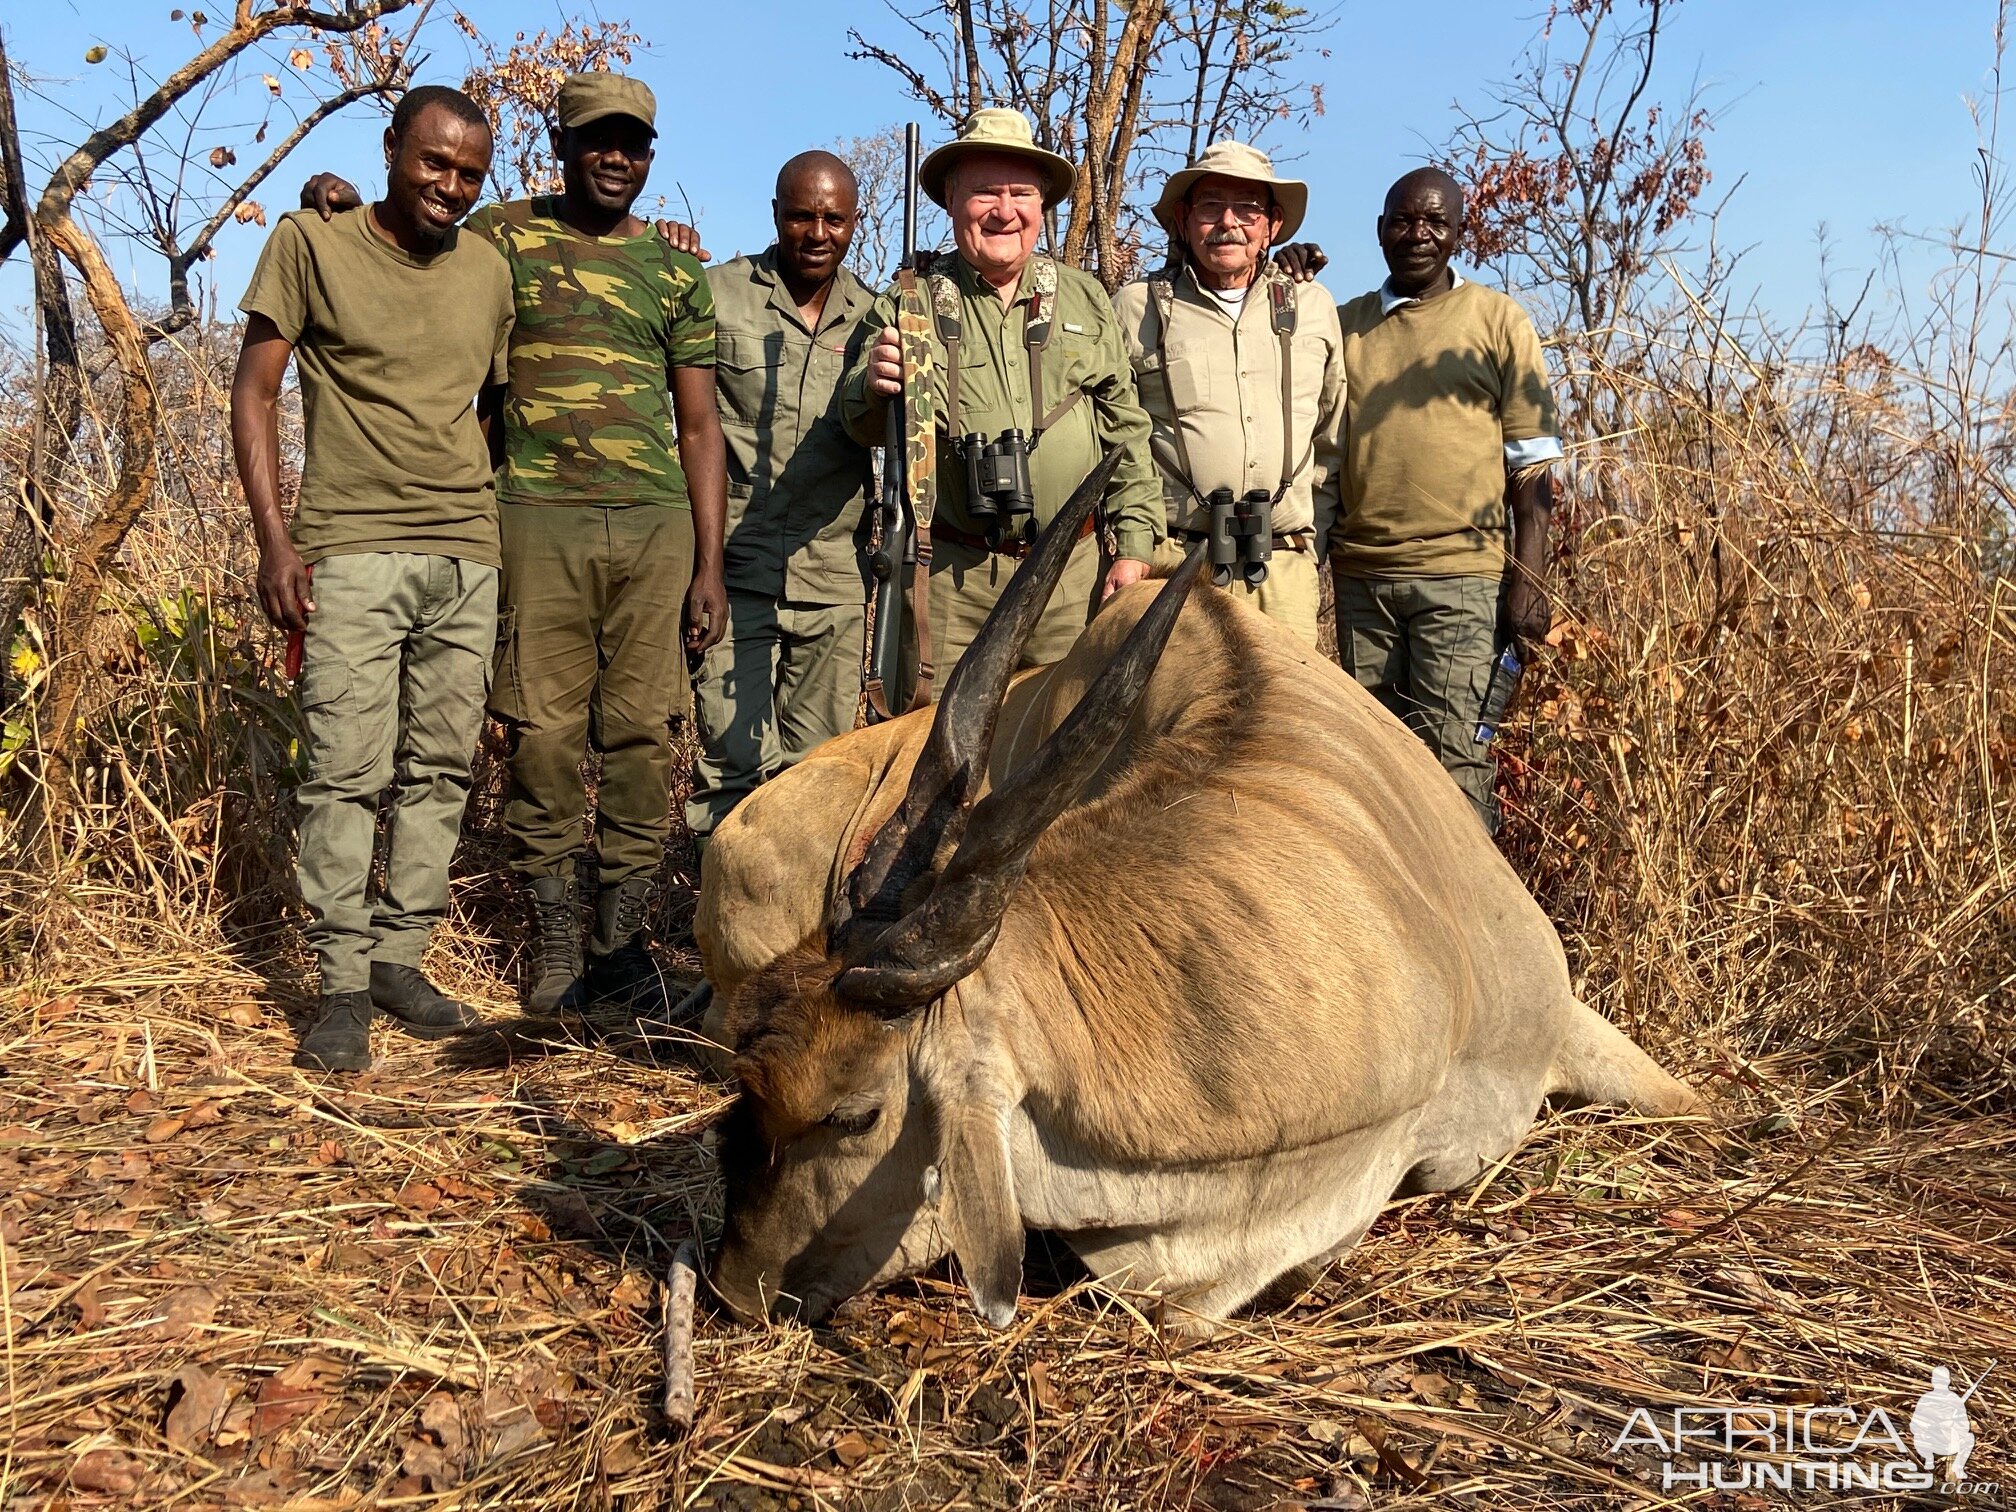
(1294, 540)
(1014, 550)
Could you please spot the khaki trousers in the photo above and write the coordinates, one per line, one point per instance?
(785, 678)
(1289, 595)
(965, 586)
(590, 658)
(394, 665)
(1424, 648)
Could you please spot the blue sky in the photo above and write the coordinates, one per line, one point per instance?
(1846, 113)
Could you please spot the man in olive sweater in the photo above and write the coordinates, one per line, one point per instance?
(1449, 430)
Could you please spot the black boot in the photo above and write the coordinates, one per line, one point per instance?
(620, 969)
(421, 1008)
(340, 1039)
(555, 970)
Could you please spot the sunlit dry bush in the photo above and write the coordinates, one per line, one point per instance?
(1763, 780)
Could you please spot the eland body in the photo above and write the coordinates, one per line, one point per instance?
(1183, 948)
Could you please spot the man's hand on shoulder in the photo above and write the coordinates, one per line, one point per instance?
(327, 193)
(681, 237)
(1301, 261)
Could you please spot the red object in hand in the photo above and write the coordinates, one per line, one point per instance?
(297, 641)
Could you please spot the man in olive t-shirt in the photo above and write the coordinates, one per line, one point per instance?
(608, 527)
(1440, 547)
(396, 321)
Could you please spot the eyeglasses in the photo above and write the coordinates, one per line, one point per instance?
(1245, 211)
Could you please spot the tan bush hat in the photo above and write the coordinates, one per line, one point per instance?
(586, 97)
(1005, 131)
(1239, 161)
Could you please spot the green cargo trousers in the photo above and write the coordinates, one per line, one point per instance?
(1424, 648)
(785, 678)
(394, 665)
(590, 657)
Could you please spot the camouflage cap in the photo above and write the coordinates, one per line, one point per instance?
(586, 97)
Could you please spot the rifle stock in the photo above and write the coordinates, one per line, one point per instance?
(895, 559)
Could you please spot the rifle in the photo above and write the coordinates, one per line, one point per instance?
(902, 558)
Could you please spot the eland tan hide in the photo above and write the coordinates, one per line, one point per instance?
(1263, 970)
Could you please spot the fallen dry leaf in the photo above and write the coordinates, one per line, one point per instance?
(110, 1471)
(632, 1292)
(164, 1128)
(244, 1015)
(851, 1448)
(197, 1402)
(185, 1311)
(418, 1197)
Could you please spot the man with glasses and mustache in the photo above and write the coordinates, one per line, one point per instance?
(1240, 366)
(1042, 389)
(396, 321)
(611, 542)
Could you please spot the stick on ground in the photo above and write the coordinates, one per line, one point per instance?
(679, 1337)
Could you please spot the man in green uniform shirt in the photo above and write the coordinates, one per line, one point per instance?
(395, 320)
(605, 531)
(788, 675)
(1039, 352)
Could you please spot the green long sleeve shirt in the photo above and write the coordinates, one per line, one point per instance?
(1085, 354)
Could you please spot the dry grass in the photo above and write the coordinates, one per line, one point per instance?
(1763, 784)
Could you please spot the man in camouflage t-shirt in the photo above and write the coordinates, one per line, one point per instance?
(603, 528)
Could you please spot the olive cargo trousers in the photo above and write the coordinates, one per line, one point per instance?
(590, 657)
(1424, 648)
(785, 678)
(394, 666)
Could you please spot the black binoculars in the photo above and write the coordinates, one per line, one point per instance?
(997, 483)
(1242, 535)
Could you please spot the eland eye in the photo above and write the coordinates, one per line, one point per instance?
(848, 1122)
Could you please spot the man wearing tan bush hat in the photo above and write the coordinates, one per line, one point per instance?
(1035, 349)
(1241, 369)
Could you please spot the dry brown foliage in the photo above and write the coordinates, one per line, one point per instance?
(1761, 780)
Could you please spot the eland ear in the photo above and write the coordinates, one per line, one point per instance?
(976, 1197)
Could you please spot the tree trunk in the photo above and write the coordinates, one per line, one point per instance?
(76, 611)
(59, 393)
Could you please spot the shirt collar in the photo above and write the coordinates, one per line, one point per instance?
(973, 283)
(1389, 301)
(1211, 301)
(848, 291)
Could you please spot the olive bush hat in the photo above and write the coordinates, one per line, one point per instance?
(1239, 161)
(1005, 131)
(586, 97)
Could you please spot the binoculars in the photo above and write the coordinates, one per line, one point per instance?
(997, 483)
(1242, 535)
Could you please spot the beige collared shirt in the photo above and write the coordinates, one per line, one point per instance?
(1223, 375)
